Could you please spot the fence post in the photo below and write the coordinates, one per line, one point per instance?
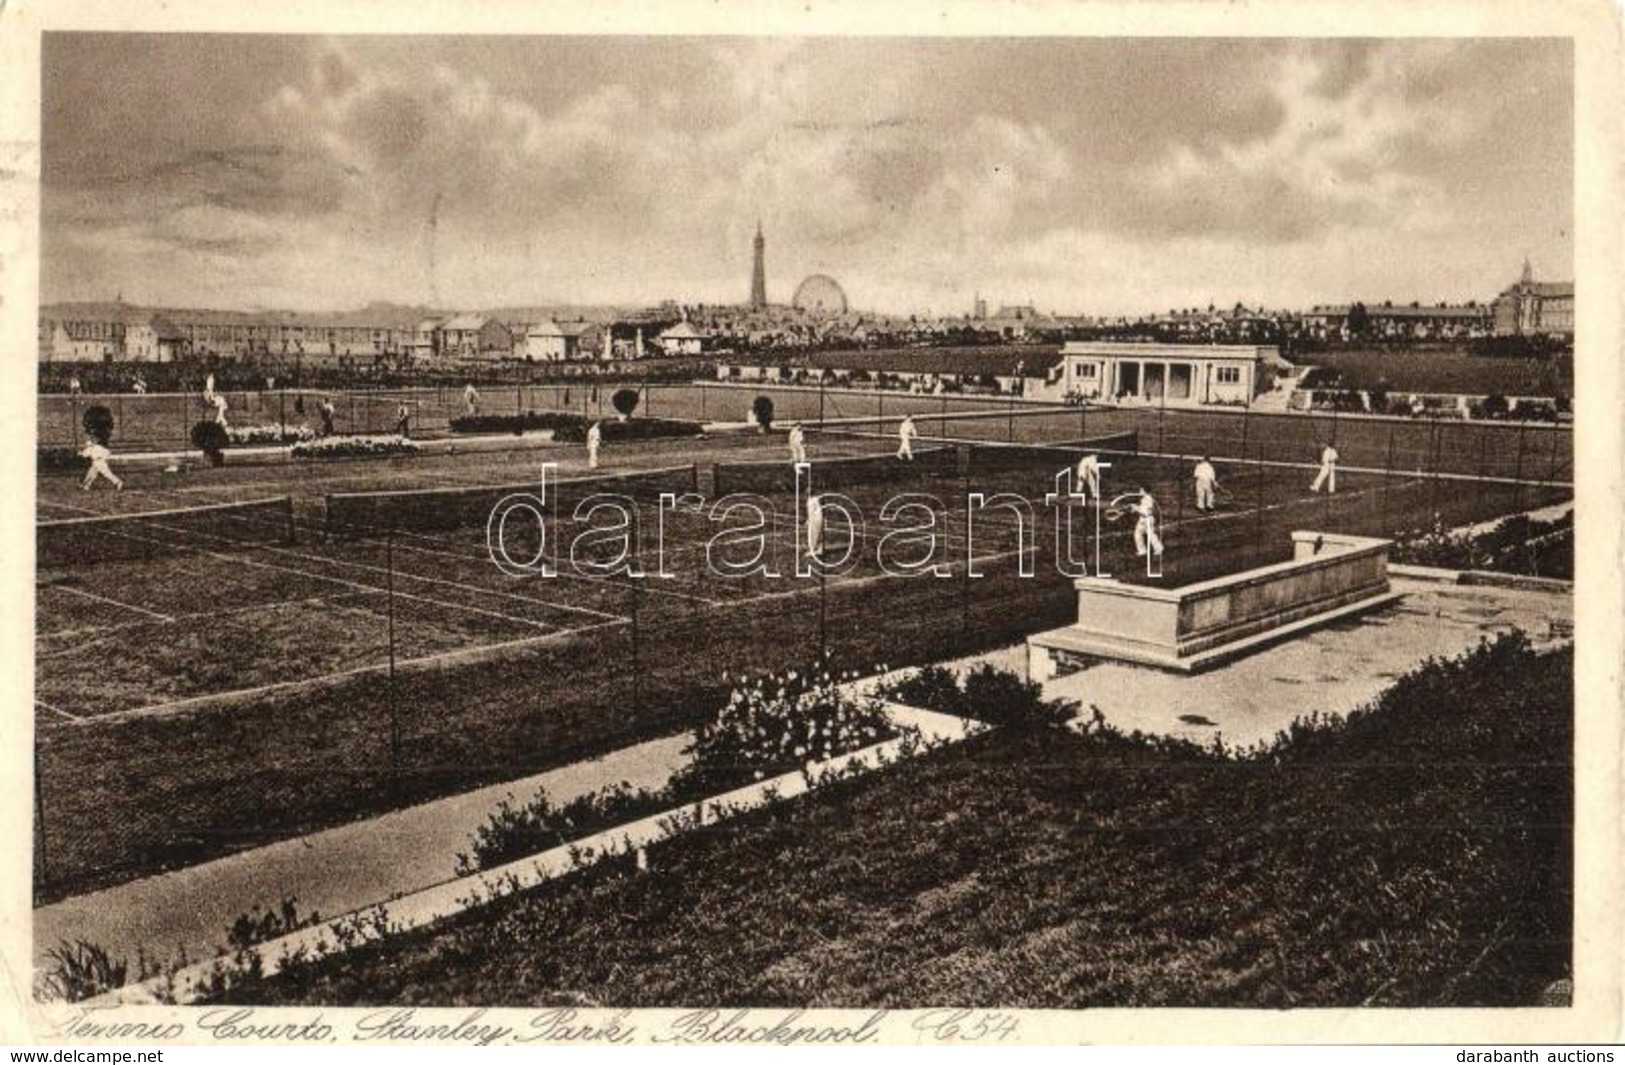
(73, 420)
(39, 813)
(1258, 508)
(1010, 419)
(1387, 478)
(394, 704)
(1435, 439)
(1517, 477)
(637, 649)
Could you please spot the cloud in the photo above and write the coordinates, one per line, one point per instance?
(525, 170)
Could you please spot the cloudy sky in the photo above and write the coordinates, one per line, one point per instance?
(1088, 176)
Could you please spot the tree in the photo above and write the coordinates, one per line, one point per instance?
(763, 409)
(1359, 320)
(625, 401)
(98, 423)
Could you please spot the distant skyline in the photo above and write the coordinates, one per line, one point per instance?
(1099, 176)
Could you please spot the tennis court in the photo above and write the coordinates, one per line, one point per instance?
(268, 681)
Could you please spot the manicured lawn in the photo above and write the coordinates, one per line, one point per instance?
(1417, 855)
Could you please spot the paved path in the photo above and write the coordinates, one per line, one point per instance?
(1331, 670)
(329, 872)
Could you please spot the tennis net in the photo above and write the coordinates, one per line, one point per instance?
(779, 475)
(156, 534)
(351, 514)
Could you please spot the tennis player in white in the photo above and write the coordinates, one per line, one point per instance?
(1145, 529)
(905, 438)
(1089, 475)
(1328, 470)
(595, 439)
(815, 526)
(98, 454)
(1207, 484)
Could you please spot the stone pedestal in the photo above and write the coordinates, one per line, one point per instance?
(1199, 625)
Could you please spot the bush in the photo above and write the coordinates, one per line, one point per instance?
(98, 423)
(59, 460)
(763, 409)
(993, 696)
(211, 439)
(625, 401)
(513, 831)
(1492, 406)
(80, 970)
(530, 421)
(1514, 545)
(779, 722)
(642, 429)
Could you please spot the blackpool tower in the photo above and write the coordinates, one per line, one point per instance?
(758, 271)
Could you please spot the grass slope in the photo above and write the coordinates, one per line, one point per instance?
(1417, 854)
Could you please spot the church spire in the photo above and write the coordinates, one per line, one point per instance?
(1528, 272)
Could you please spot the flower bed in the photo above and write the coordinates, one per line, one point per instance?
(772, 724)
(343, 447)
(1517, 544)
(241, 435)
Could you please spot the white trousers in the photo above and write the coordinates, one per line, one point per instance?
(100, 468)
(1145, 536)
(1327, 477)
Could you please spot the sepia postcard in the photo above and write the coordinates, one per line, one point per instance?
(721, 524)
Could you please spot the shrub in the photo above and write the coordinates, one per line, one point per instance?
(530, 421)
(211, 439)
(98, 423)
(512, 831)
(625, 401)
(778, 722)
(59, 460)
(642, 429)
(763, 409)
(80, 970)
(1004, 700)
(996, 697)
(261, 926)
(1491, 406)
